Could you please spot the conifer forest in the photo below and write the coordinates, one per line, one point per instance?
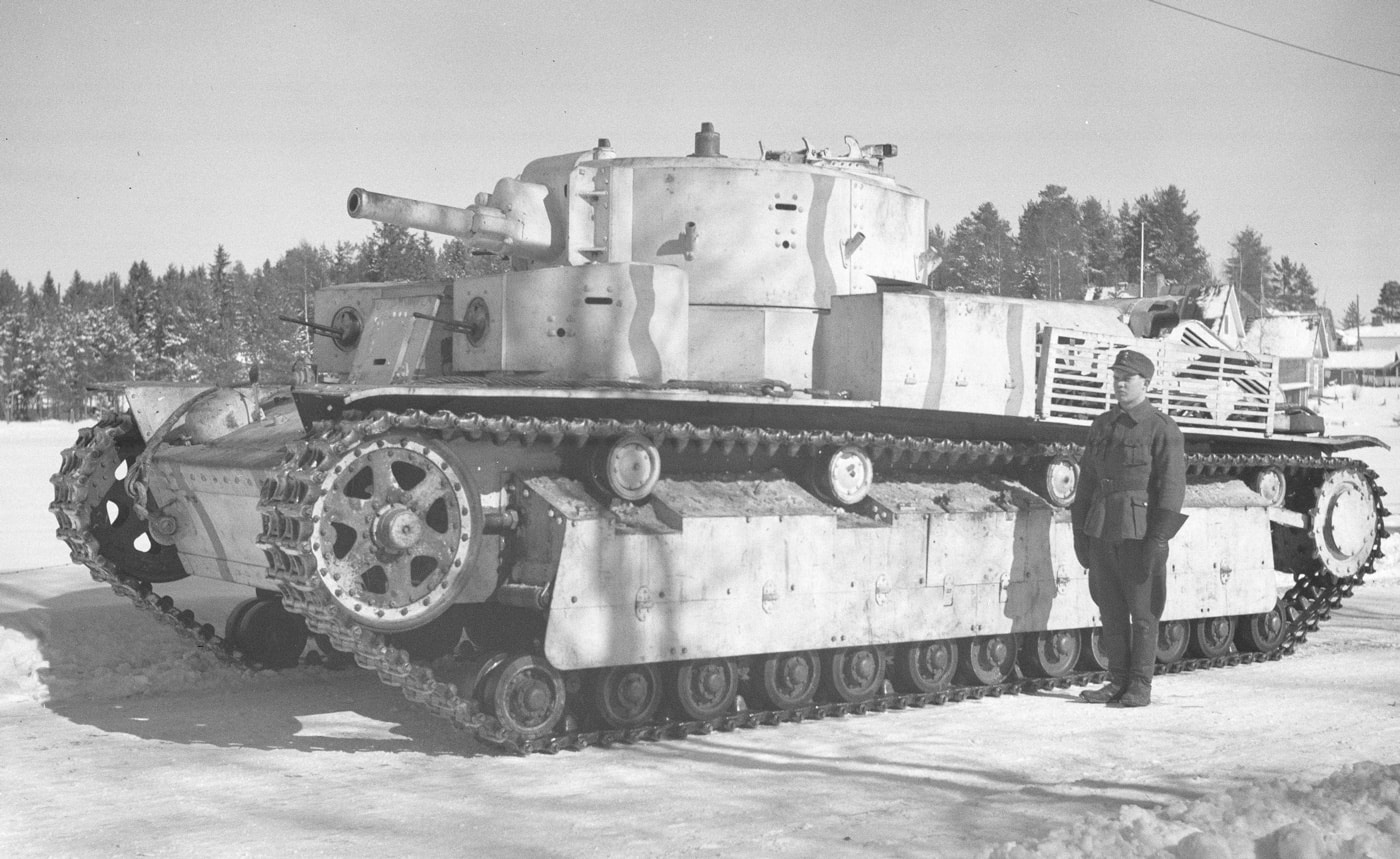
(217, 322)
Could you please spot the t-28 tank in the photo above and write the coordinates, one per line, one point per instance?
(709, 453)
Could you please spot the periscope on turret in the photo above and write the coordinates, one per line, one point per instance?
(707, 452)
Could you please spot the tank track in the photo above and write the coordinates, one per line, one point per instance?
(289, 494)
(72, 485)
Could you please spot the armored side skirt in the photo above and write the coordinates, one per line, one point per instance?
(732, 567)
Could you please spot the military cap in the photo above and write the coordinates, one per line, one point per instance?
(1133, 362)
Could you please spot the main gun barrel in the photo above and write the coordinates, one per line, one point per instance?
(410, 214)
(512, 220)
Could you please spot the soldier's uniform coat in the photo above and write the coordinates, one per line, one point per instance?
(1132, 483)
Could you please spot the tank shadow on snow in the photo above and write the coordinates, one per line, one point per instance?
(114, 671)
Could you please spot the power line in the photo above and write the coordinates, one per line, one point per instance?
(1272, 39)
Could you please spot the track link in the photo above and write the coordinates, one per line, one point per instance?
(73, 506)
(289, 495)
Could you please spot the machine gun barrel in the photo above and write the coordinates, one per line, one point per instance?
(410, 214)
(450, 324)
(316, 327)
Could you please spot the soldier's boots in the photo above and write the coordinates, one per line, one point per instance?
(1110, 693)
(1138, 694)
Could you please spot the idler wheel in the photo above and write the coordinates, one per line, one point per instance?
(1173, 637)
(855, 674)
(1260, 633)
(1091, 653)
(1050, 654)
(1344, 522)
(986, 660)
(626, 696)
(122, 536)
(784, 681)
(397, 528)
(706, 688)
(924, 666)
(266, 633)
(235, 618)
(1211, 636)
(526, 694)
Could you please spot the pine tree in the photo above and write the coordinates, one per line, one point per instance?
(80, 293)
(1250, 265)
(981, 255)
(1164, 225)
(1293, 287)
(58, 376)
(9, 290)
(21, 359)
(1352, 318)
(48, 293)
(394, 253)
(1029, 285)
(1051, 243)
(345, 265)
(1102, 257)
(1388, 310)
(222, 287)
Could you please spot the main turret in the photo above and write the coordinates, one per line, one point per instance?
(742, 256)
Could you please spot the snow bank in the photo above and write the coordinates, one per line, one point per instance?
(32, 452)
(21, 667)
(1353, 813)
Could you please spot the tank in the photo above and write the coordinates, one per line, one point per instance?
(708, 453)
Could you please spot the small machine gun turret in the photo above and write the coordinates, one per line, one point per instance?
(344, 330)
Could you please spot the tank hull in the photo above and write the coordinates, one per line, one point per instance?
(734, 552)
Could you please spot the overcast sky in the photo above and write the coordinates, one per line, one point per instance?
(156, 131)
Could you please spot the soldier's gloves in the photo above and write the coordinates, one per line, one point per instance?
(1162, 525)
(1081, 548)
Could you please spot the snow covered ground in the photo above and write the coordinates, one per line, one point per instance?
(121, 740)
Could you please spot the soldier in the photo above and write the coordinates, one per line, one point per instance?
(1132, 481)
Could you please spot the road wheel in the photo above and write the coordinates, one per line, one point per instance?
(855, 674)
(1050, 654)
(1173, 637)
(785, 681)
(626, 696)
(924, 666)
(706, 688)
(986, 660)
(1211, 636)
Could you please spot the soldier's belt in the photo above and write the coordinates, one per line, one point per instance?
(1108, 486)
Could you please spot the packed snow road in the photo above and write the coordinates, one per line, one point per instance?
(145, 749)
(122, 741)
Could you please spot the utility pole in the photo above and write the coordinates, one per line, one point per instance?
(1142, 254)
(1358, 321)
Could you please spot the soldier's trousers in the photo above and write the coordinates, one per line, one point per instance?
(1129, 586)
